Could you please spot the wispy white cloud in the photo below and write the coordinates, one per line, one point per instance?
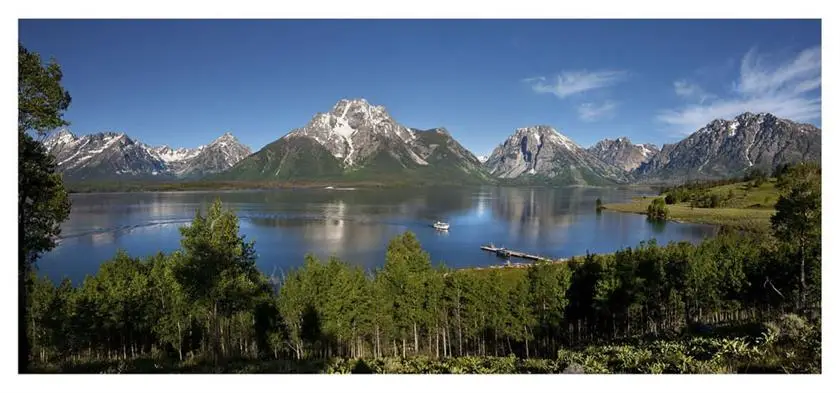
(801, 74)
(568, 83)
(689, 90)
(590, 111)
(786, 89)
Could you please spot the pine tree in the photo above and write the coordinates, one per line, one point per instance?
(797, 222)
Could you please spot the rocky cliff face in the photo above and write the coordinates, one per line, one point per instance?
(727, 148)
(540, 152)
(623, 153)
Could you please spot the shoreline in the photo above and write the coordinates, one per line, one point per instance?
(755, 220)
(209, 186)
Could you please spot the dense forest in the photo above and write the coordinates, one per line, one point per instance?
(207, 302)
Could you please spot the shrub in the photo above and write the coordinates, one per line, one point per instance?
(756, 175)
(657, 210)
(707, 200)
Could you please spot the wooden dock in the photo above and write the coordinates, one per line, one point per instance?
(505, 253)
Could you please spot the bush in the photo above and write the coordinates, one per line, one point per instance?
(670, 199)
(707, 200)
(780, 170)
(657, 210)
(755, 175)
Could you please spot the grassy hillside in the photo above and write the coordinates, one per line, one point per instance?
(285, 160)
(743, 206)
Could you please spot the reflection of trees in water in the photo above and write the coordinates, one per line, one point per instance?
(537, 213)
(658, 226)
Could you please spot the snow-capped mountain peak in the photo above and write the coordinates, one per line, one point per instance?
(109, 154)
(543, 151)
(226, 138)
(541, 133)
(354, 129)
(168, 154)
(621, 152)
(59, 138)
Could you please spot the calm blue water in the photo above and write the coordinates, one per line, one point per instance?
(357, 224)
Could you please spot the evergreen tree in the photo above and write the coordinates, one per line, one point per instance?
(797, 222)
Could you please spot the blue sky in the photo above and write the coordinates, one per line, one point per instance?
(183, 83)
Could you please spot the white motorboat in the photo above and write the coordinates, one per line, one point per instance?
(442, 226)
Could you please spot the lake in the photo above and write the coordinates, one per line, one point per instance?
(356, 225)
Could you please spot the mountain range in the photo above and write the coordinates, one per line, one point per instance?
(358, 141)
(726, 147)
(112, 155)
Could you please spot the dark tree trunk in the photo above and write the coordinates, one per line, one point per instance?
(23, 338)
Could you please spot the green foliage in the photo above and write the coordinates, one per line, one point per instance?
(797, 222)
(781, 169)
(657, 210)
(695, 355)
(42, 200)
(707, 200)
(41, 98)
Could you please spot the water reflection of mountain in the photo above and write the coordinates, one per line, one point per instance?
(327, 229)
(97, 213)
(333, 224)
(537, 213)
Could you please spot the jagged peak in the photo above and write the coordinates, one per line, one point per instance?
(731, 126)
(537, 128)
(437, 130)
(347, 106)
(105, 134)
(545, 131)
(226, 137)
(750, 115)
(61, 135)
(64, 131)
